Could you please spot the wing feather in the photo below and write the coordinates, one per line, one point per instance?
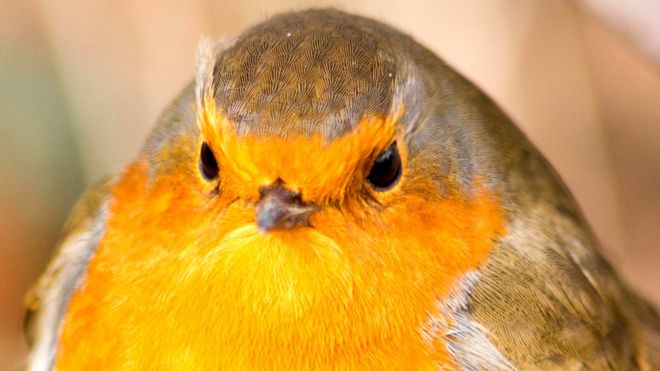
(48, 299)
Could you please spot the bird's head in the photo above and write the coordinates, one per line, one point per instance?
(326, 160)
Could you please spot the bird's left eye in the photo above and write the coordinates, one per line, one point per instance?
(386, 170)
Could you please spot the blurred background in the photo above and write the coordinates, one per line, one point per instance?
(81, 83)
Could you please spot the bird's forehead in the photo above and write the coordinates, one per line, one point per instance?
(305, 75)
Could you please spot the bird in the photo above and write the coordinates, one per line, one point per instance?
(327, 193)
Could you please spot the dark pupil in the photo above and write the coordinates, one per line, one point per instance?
(387, 169)
(207, 163)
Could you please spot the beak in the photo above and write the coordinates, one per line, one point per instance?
(279, 208)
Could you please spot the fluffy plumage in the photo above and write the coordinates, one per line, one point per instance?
(477, 258)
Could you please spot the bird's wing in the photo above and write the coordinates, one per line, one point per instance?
(47, 301)
(651, 331)
(549, 301)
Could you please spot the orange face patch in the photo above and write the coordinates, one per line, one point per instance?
(321, 171)
(185, 281)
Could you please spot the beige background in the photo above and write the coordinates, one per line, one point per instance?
(81, 85)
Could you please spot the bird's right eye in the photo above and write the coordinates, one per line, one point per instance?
(207, 163)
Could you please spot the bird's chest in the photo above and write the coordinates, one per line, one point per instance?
(179, 285)
(255, 303)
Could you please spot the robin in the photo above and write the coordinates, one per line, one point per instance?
(329, 194)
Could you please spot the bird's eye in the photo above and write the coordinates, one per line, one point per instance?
(386, 171)
(207, 163)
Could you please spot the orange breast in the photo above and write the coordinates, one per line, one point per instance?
(179, 284)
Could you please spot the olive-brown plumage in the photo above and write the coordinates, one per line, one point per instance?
(330, 194)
